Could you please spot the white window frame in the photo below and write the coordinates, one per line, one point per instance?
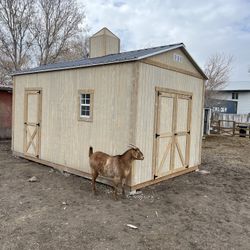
(81, 105)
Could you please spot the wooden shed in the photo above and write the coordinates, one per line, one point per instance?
(151, 97)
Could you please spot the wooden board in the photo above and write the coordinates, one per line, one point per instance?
(172, 132)
(32, 122)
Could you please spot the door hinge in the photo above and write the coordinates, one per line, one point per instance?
(188, 132)
(38, 124)
(155, 176)
(156, 135)
(25, 123)
(39, 92)
(159, 93)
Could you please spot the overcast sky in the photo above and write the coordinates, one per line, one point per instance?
(205, 27)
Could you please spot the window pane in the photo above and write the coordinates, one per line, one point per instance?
(82, 98)
(86, 108)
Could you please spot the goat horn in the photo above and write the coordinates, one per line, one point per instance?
(132, 146)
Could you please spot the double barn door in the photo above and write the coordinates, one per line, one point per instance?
(172, 132)
(32, 122)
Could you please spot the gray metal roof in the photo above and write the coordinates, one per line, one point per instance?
(108, 59)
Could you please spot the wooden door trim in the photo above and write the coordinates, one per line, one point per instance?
(166, 92)
(31, 138)
(167, 150)
(188, 136)
(184, 161)
(173, 91)
(27, 92)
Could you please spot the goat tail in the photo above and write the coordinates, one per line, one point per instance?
(90, 151)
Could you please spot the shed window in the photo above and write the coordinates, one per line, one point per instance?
(86, 105)
(235, 95)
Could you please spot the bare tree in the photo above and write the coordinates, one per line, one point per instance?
(57, 23)
(39, 32)
(217, 69)
(15, 39)
(77, 48)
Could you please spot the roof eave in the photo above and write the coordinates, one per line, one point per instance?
(74, 67)
(233, 90)
(161, 51)
(194, 63)
(182, 46)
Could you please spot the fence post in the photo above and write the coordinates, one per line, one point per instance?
(233, 128)
(219, 127)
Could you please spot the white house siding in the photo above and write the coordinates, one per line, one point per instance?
(243, 106)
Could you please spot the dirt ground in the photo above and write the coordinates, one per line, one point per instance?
(194, 211)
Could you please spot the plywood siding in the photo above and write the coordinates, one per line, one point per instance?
(169, 59)
(151, 77)
(64, 139)
(104, 45)
(112, 45)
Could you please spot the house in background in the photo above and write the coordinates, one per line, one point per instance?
(222, 106)
(5, 111)
(235, 94)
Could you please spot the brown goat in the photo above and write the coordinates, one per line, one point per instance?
(117, 167)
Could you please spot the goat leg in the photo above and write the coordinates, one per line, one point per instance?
(116, 183)
(123, 186)
(94, 176)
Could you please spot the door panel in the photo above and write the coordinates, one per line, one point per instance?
(163, 156)
(182, 131)
(172, 138)
(164, 134)
(32, 122)
(181, 115)
(165, 114)
(32, 108)
(180, 152)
